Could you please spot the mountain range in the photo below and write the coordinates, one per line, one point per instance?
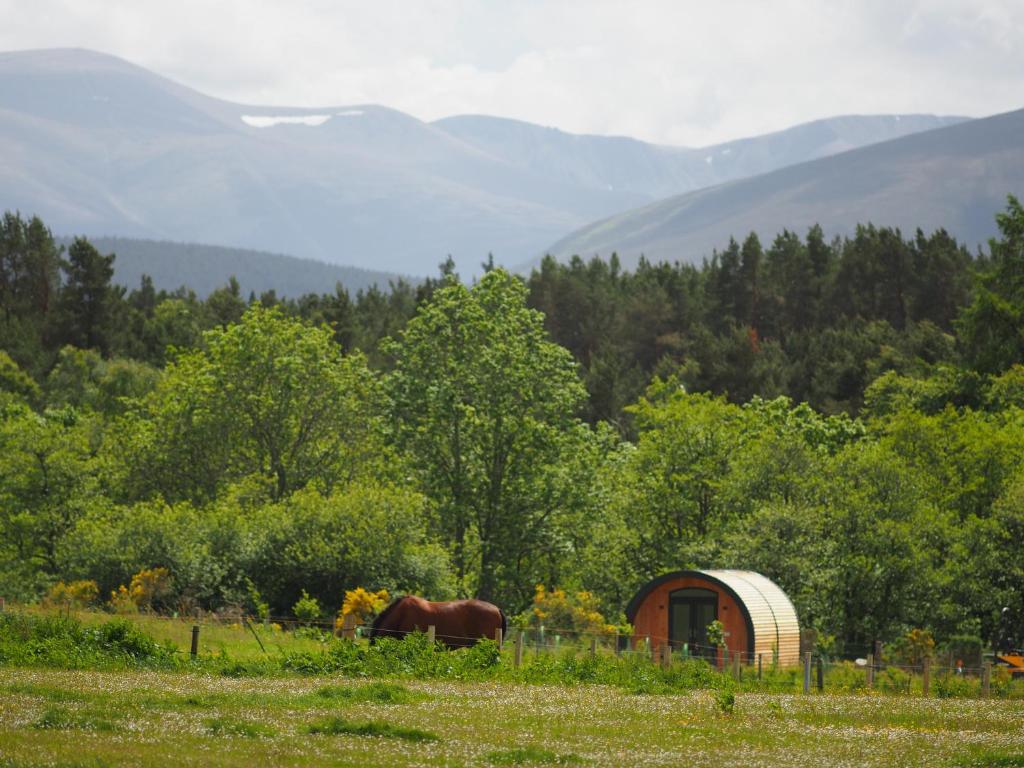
(98, 146)
(955, 178)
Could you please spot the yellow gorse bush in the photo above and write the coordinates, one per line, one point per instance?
(147, 586)
(361, 604)
(78, 593)
(558, 610)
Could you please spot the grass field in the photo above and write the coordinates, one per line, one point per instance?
(89, 692)
(87, 718)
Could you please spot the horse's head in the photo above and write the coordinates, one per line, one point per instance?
(382, 622)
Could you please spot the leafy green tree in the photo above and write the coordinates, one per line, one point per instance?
(225, 305)
(484, 405)
(88, 300)
(84, 380)
(29, 286)
(992, 326)
(48, 478)
(16, 381)
(675, 477)
(269, 396)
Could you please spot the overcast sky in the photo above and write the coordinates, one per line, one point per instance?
(671, 71)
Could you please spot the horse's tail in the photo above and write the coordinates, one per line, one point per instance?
(504, 624)
(375, 627)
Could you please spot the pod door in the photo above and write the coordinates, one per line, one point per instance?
(690, 612)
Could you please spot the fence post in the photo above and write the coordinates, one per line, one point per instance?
(431, 634)
(348, 626)
(666, 656)
(759, 665)
(871, 671)
(498, 636)
(878, 653)
(519, 648)
(986, 679)
(926, 676)
(651, 649)
(593, 646)
(821, 674)
(725, 658)
(737, 672)
(195, 641)
(807, 672)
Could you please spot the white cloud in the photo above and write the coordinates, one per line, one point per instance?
(662, 70)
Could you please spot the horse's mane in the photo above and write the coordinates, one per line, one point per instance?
(383, 614)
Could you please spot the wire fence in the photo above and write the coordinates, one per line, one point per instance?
(846, 671)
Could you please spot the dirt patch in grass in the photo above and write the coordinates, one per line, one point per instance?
(337, 726)
(531, 756)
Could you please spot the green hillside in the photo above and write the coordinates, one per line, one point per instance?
(204, 268)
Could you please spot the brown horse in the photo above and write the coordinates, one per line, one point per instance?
(457, 623)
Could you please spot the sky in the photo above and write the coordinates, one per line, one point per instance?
(668, 71)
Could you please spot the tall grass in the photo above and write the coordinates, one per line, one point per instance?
(56, 641)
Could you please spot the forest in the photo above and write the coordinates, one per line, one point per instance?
(845, 416)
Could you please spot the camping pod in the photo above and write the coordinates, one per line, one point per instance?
(757, 617)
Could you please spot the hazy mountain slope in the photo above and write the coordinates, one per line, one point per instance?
(955, 177)
(625, 164)
(98, 146)
(204, 268)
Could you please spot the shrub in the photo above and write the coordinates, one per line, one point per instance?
(576, 613)
(60, 642)
(953, 687)
(846, 676)
(79, 594)
(307, 609)
(361, 604)
(716, 634)
(150, 588)
(726, 700)
(913, 648)
(893, 680)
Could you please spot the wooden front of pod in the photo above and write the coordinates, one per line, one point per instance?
(757, 617)
(660, 617)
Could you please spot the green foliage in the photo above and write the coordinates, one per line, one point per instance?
(483, 403)
(992, 327)
(285, 448)
(15, 381)
(87, 300)
(950, 686)
(268, 396)
(725, 699)
(716, 633)
(27, 640)
(307, 609)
